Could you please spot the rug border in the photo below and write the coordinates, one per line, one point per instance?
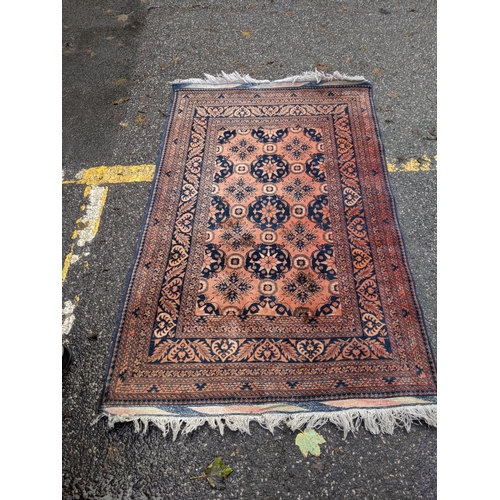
(138, 247)
(428, 344)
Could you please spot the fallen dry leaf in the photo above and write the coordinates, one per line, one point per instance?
(393, 94)
(122, 18)
(140, 119)
(377, 71)
(247, 33)
(123, 124)
(308, 441)
(215, 474)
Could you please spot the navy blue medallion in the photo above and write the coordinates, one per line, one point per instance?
(268, 212)
(323, 262)
(239, 190)
(269, 168)
(242, 149)
(315, 167)
(302, 287)
(223, 168)
(319, 213)
(214, 260)
(268, 261)
(219, 212)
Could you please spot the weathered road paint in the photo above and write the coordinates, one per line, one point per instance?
(68, 317)
(67, 262)
(86, 227)
(420, 164)
(116, 174)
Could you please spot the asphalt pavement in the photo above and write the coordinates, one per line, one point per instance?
(118, 57)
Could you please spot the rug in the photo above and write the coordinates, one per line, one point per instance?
(270, 282)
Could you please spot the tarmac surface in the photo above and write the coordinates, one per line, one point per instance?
(118, 57)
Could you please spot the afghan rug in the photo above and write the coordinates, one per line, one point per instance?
(270, 281)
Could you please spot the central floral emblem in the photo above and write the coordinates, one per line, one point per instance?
(268, 261)
(269, 212)
(269, 168)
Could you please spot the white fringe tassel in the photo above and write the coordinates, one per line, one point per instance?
(306, 76)
(376, 421)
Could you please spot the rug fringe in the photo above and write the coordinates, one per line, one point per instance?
(307, 76)
(375, 420)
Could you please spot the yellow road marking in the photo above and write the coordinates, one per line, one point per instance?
(67, 263)
(421, 164)
(116, 174)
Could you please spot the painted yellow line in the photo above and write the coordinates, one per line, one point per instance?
(116, 174)
(421, 164)
(67, 262)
